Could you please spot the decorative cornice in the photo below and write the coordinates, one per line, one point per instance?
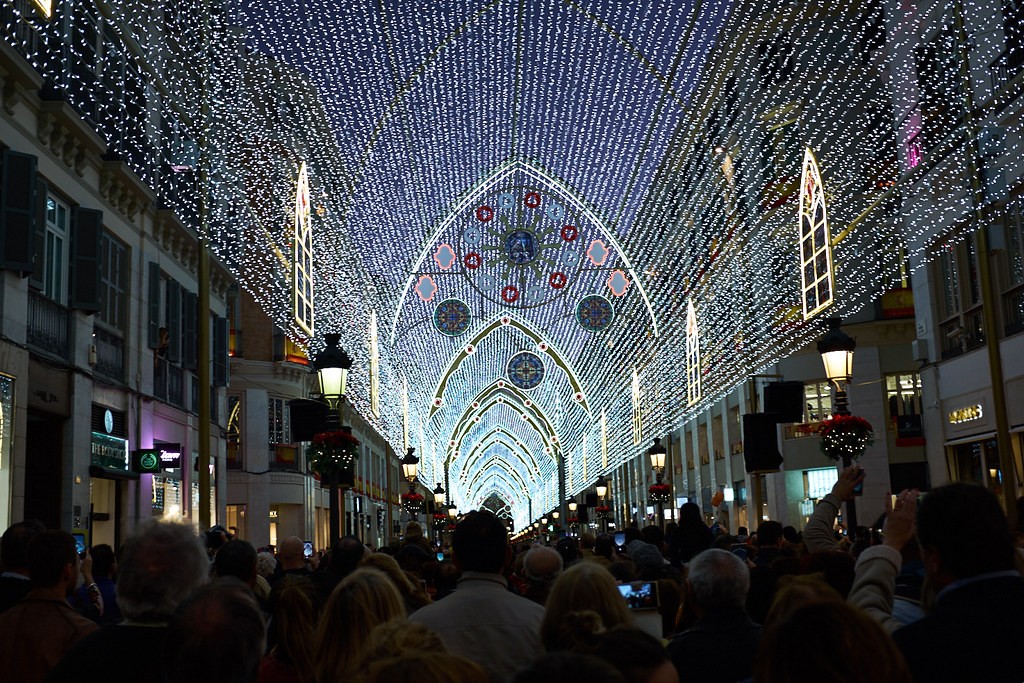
(68, 137)
(123, 189)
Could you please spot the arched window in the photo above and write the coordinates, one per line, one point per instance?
(302, 266)
(815, 241)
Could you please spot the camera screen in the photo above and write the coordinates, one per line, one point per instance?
(620, 538)
(640, 595)
(80, 543)
(308, 549)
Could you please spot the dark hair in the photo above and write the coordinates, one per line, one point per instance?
(346, 555)
(653, 534)
(235, 558)
(480, 542)
(49, 553)
(632, 534)
(15, 541)
(690, 516)
(769, 533)
(102, 560)
(568, 667)
(836, 569)
(967, 527)
(603, 545)
(634, 653)
(216, 635)
(568, 548)
(790, 534)
(827, 642)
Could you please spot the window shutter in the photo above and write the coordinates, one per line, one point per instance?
(35, 278)
(220, 352)
(85, 259)
(154, 304)
(190, 331)
(174, 321)
(17, 211)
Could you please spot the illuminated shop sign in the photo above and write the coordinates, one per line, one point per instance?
(965, 414)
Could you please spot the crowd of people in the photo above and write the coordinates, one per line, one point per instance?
(935, 593)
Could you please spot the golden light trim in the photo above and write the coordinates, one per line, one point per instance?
(302, 256)
(816, 273)
(692, 354)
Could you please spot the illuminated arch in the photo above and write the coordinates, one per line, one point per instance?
(506, 320)
(503, 439)
(463, 427)
(817, 291)
(490, 182)
(490, 466)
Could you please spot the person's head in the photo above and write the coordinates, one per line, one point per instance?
(291, 553)
(266, 563)
(14, 545)
(584, 586)
(217, 635)
(216, 537)
(790, 534)
(569, 549)
(400, 638)
(795, 592)
(424, 667)
(480, 543)
(161, 564)
(638, 656)
(104, 564)
(568, 667)
(653, 534)
(647, 559)
(348, 552)
(411, 557)
(413, 531)
(388, 566)
(769, 534)
(541, 567)
(236, 558)
(53, 560)
(963, 533)
(363, 600)
(829, 642)
(835, 568)
(717, 581)
(587, 540)
(296, 609)
(690, 516)
(603, 545)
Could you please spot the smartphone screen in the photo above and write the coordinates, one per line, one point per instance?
(620, 538)
(307, 549)
(80, 544)
(640, 595)
(440, 557)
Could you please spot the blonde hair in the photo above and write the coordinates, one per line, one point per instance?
(586, 586)
(401, 639)
(424, 667)
(295, 616)
(412, 594)
(365, 599)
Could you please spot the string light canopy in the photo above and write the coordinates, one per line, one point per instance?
(639, 186)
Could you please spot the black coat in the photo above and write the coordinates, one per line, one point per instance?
(974, 633)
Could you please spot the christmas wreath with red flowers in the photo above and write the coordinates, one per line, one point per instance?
(332, 452)
(659, 493)
(845, 436)
(602, 510)
(412, 501)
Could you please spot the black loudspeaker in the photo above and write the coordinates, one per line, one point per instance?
(591, 500)
(760, 443)
(785, 400)
(308, 418)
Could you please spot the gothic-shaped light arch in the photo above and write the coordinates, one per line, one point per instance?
(506, 320)
(557, 188)
(817, 283)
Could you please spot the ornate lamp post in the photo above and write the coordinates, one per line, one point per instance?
(439, 514)
(836, 349)
(573, 507)
(601, 488)
(332, 365)
(657, 454)
(410, 466)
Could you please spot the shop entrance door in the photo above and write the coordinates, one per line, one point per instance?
(105, 511)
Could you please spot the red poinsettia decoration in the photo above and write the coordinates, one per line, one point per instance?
(412, 498)
(659, 492)
(574, 520)
(602, 509)
(438, 517)
(333, 451)
(845, 435)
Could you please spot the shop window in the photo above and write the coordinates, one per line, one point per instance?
(817, 401)
(903, 398)
(283, 453)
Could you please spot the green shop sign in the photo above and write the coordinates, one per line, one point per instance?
(109, 452)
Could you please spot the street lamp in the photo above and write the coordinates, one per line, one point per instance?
(438, 496)
(453, 512)
(601, 487)
(573, 505)
(410, 464)
(836, 349)
(657, 453)
(332, 365)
